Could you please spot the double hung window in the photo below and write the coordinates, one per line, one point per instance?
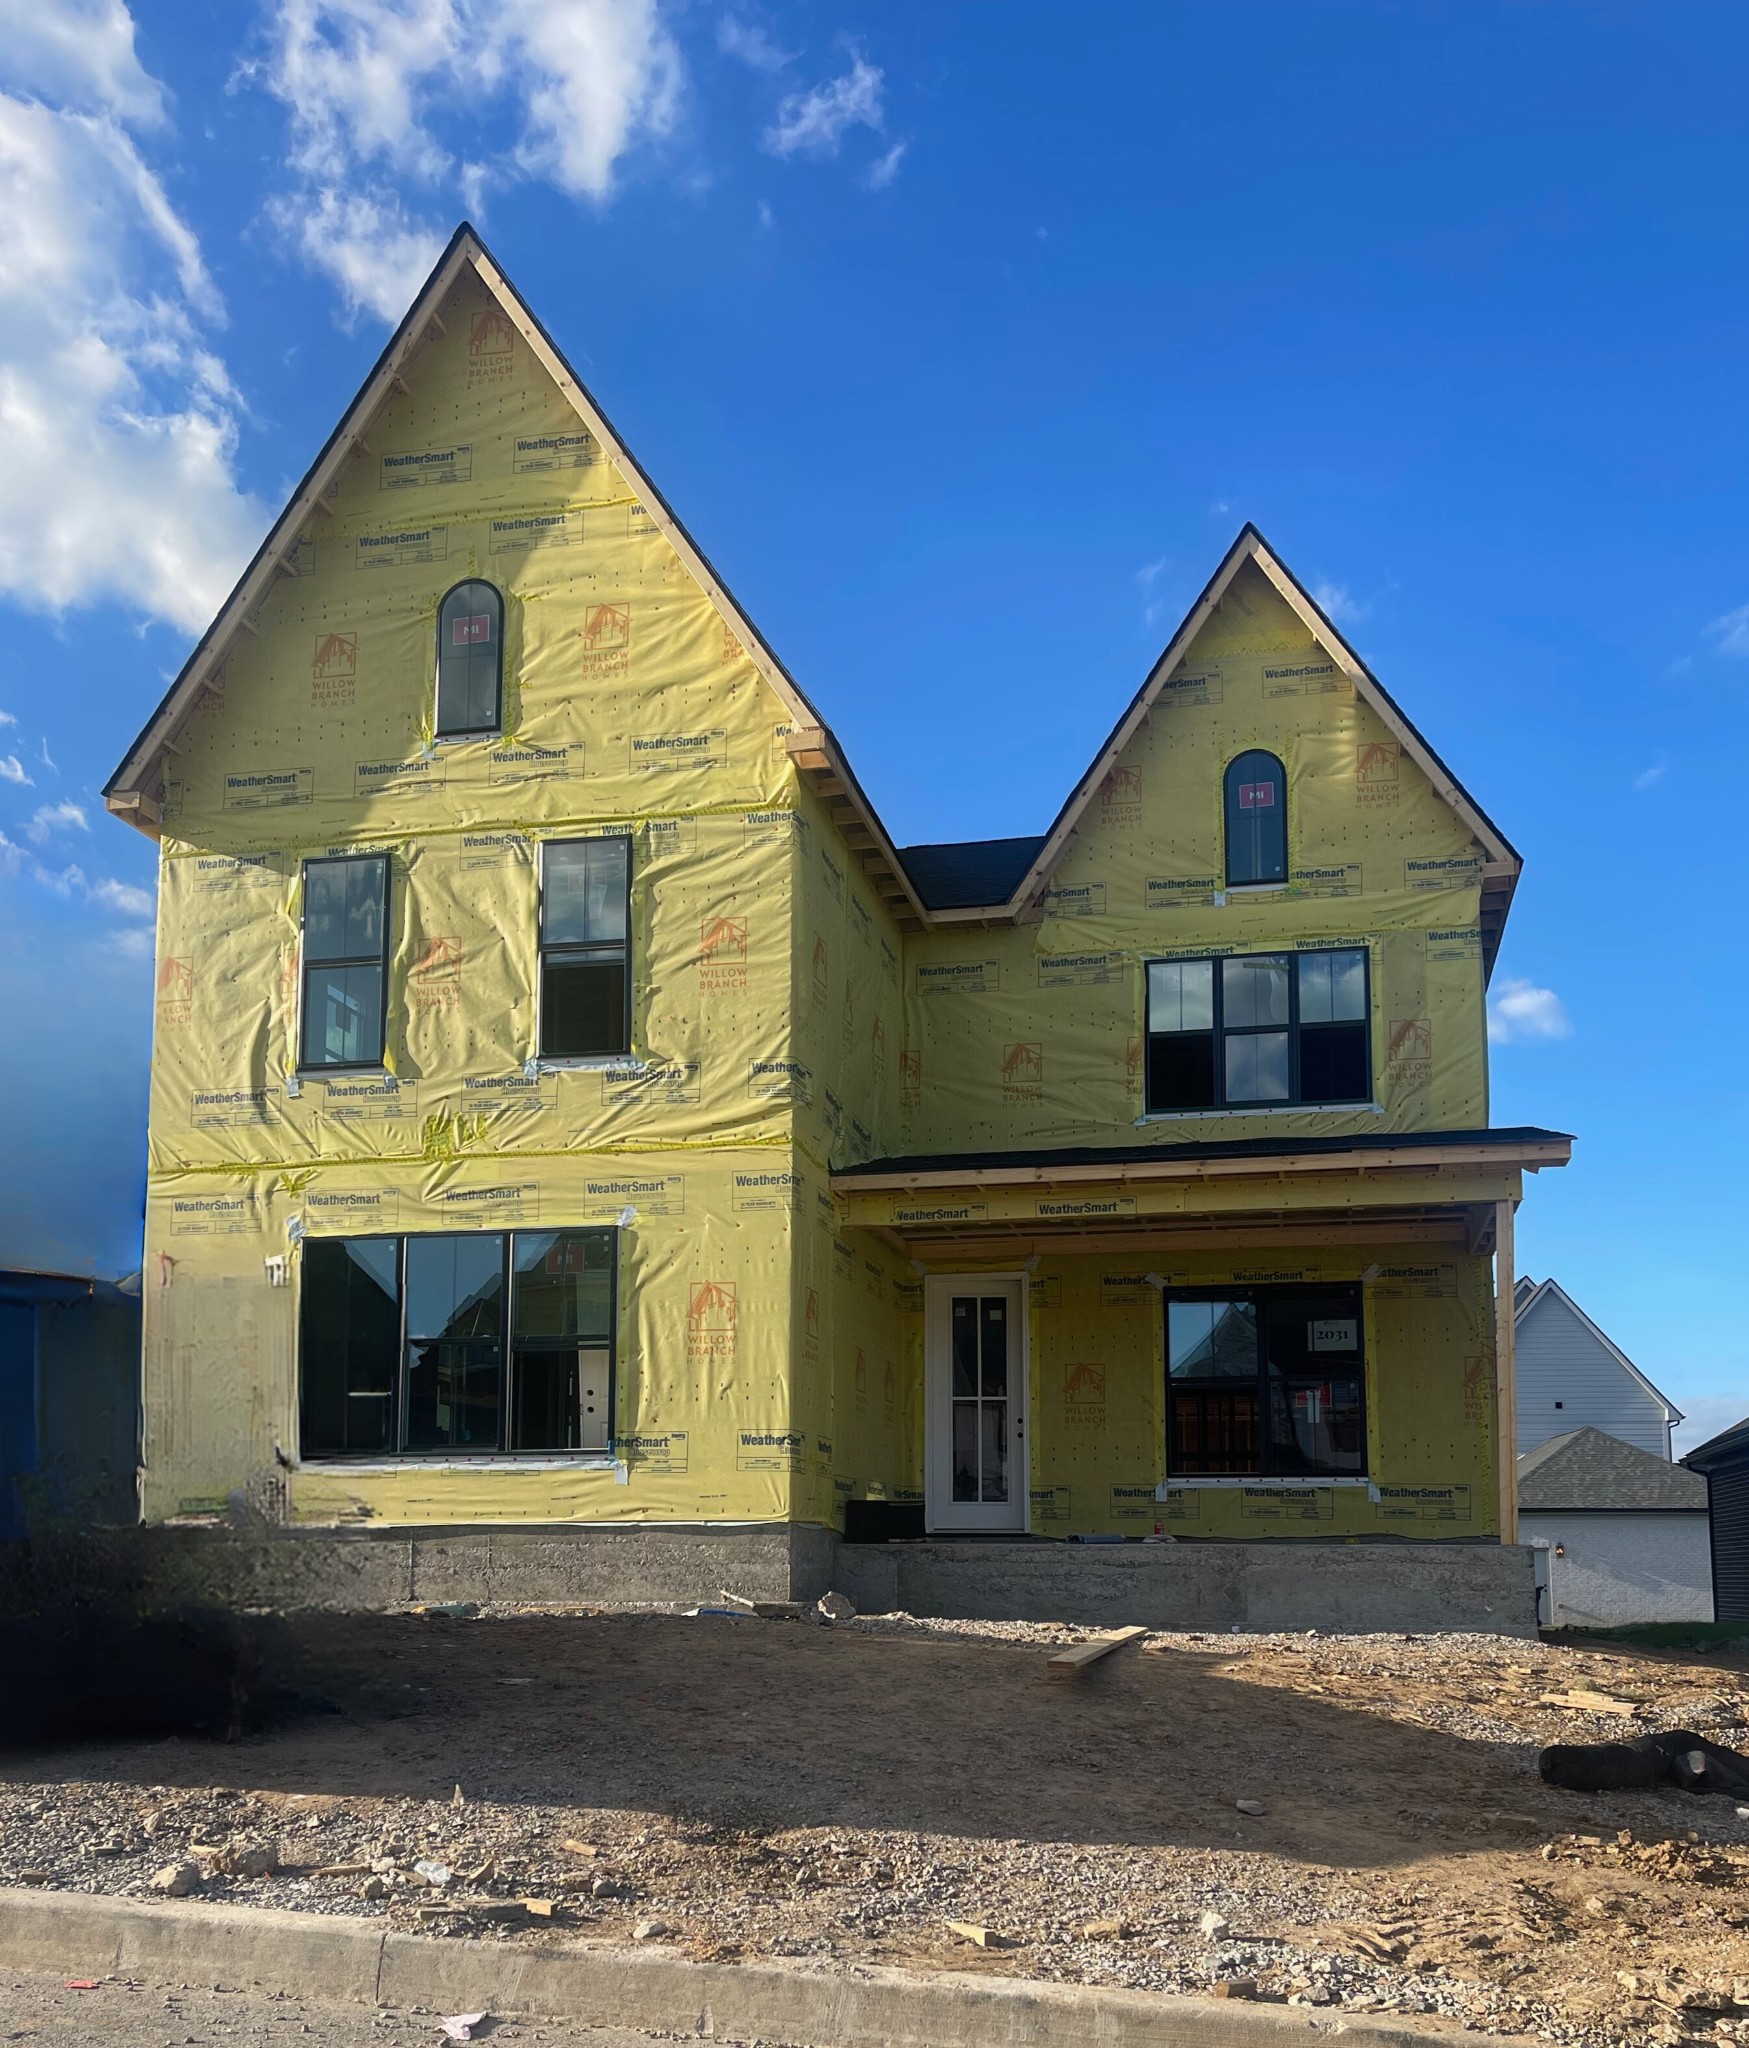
(585, 948)
(1258, 1030)
(457, 1344)
(470, 661)
(346, 947)
(1267, 1381)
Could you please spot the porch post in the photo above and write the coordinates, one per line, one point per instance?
(1506, 1371)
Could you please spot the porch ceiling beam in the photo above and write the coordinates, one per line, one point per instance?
(1141, 1239)
(1408, 1158)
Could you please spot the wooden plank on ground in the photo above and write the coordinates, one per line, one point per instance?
(1066, 1663)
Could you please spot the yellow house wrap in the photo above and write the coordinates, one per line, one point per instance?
(844, 1078)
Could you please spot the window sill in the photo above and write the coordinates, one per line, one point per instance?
(1255, 889)
(1238, 1481)
(1188, 1116)
(487, 1461)
(586, 1063)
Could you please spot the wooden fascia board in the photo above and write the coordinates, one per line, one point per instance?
(264, 571)
(814, 741)
(661, 512)
(1410, 1157)
(1070, 816)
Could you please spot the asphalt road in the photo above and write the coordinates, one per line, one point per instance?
(132, 2013)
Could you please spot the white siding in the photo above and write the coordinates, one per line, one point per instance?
(1639, 1565)
(1559, 1359)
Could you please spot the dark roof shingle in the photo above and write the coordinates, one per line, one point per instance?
(1588, 1468)
(969, 874)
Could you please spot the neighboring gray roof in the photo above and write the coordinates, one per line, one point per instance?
(1729, 1447)
(968, 873)
(1588, 1468)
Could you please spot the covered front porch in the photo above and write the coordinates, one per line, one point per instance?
(1216, 1342)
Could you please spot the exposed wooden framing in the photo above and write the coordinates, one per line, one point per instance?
(1164, 1234)
(1479, 1229)
(1505, 1372)
(1530, 1156)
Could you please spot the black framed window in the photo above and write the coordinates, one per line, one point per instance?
(470, 661)
(1268, 1381)
(457, 1344)
(346, 952)
(1259, 1030)
(1256, 819)
(585, 949)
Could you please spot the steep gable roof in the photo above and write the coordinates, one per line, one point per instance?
(132, 791)
(1590, 1469)
(1552, 1291)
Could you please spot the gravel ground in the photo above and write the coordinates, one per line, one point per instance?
(758, 1788)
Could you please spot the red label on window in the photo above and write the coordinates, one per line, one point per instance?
(1257, 796)
(467, 631)
(567, 1256)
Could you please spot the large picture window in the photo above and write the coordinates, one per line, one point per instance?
(1256, 819)
(457, 1344)
(346, 948)
(470, 661)
(1268, 1381)
(1259, 1030)
(585, 949)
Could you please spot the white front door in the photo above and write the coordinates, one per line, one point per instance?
(975, 1469)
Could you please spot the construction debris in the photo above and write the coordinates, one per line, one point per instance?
(1068, 1663)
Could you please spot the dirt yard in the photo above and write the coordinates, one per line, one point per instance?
(770, 1788)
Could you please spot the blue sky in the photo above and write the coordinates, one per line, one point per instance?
(964, 338)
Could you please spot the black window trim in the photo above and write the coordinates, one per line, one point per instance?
(439, 731)
(542, 950)
(1236, 1291)
(305, 1069)
(1227, 881)
(1221, 1032)
(399, 1456)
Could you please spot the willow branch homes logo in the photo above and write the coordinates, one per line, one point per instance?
(722, 956)
(1084, 1396)
(435, 978)
(607, 638)
(1409, 1050)
(877, 1045)
(491, 347)
(822, 983)
(1135, 1067)
(175, 1004)
(811, 1322)
(910, 1080)
(1023, 1072)
(1377, 770)
(334, 668)
(712, 1319)
(1120, 795)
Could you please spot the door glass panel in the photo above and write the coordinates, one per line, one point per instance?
(452, 1397)
(1257, 1067)
(978, 1334)
(454, 1285)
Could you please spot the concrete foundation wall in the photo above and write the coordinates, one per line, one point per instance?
(1215, 1586)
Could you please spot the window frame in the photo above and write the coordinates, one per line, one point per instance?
(306, 1069)
(397, 1454)
(1227, 774)
(439, 731)
(1220, 1032)
(1268, 1469)
(580, 950)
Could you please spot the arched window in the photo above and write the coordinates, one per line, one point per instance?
(1256, 819)
(470, 660)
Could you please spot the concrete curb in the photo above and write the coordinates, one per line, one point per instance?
(334, 1957)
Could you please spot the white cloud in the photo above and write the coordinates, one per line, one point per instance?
(119, 421)
(812, 123)
(121, 896)
(1336, 603)
(79, 53)
(73, 882)
(1520, 1010)
(375, 89)
(1648, 776)
(6, 718)
(750, 43)
(1731, 633)
(12, 770)
(52, 818)
(881, 173)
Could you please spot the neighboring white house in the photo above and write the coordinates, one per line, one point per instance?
(1621, 1534)
(1570, 1377)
